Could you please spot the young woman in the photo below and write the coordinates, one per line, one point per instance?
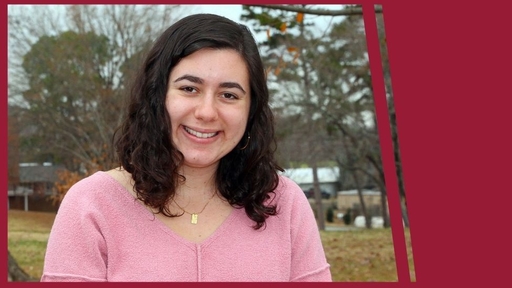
(197, 195)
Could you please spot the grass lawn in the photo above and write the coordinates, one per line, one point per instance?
(355, 256)
(27, 234)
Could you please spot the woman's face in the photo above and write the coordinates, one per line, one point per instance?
(208, 101)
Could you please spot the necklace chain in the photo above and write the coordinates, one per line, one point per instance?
(194, 216)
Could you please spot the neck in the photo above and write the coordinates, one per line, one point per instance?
(199, 183)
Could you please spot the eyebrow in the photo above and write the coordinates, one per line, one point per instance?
(198, 80)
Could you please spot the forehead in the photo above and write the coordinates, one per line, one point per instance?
(213, 63)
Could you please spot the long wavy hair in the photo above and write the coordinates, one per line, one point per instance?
(248, 175)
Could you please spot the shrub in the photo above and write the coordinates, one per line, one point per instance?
(329, 215)
(347, 218)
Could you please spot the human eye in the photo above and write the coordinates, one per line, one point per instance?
(188, 89)
(231, 96)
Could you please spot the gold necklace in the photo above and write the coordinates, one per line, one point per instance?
(194, 216)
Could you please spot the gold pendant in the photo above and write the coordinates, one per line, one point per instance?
(193, 220)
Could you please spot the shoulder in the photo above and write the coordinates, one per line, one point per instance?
(123, 178)
(288, 188)
(289, 195)
(294, 211)
(89, 183)
(95, 187)
(95, 199)
(93, 182)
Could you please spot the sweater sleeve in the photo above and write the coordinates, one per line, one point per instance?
(77, 249)
(309, 262)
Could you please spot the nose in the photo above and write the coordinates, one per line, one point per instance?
(206, 108)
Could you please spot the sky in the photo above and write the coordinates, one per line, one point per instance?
(232, 12)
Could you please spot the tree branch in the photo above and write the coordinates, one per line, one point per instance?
(326, 12)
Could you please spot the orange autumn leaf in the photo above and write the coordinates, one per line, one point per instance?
(277, 70)
(300, 17)
(283, 27)
(292, 49)
(66, 180)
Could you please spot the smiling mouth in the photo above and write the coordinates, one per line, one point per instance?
(200, 134)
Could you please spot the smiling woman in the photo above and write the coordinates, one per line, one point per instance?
(208, 105)
(198, 139)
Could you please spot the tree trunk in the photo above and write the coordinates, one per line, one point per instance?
(318, 198)
(364, 211)
(16, 274)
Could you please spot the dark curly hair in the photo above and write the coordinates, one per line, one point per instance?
(245, 177)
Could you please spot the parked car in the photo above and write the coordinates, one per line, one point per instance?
(311, 194)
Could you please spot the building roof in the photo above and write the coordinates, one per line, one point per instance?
(38, 173)
(20, 191)
(354, 192)
(305, 175)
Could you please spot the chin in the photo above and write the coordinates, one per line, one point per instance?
(202, 163)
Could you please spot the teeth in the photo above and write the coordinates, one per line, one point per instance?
(199, 134)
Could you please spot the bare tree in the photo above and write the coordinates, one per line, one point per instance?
(346, 10)
(70, 69)
(337, 87)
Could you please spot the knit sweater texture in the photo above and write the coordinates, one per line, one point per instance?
(102, 234)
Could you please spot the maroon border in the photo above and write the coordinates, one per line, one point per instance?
(450, 65)
(386, 144)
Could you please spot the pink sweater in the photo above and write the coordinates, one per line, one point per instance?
(101, 233)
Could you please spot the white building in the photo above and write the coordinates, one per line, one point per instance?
(328, 178)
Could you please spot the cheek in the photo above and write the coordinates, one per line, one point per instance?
(236, 127)
(172, 112)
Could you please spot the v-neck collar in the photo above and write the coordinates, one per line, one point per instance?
(143, 210)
